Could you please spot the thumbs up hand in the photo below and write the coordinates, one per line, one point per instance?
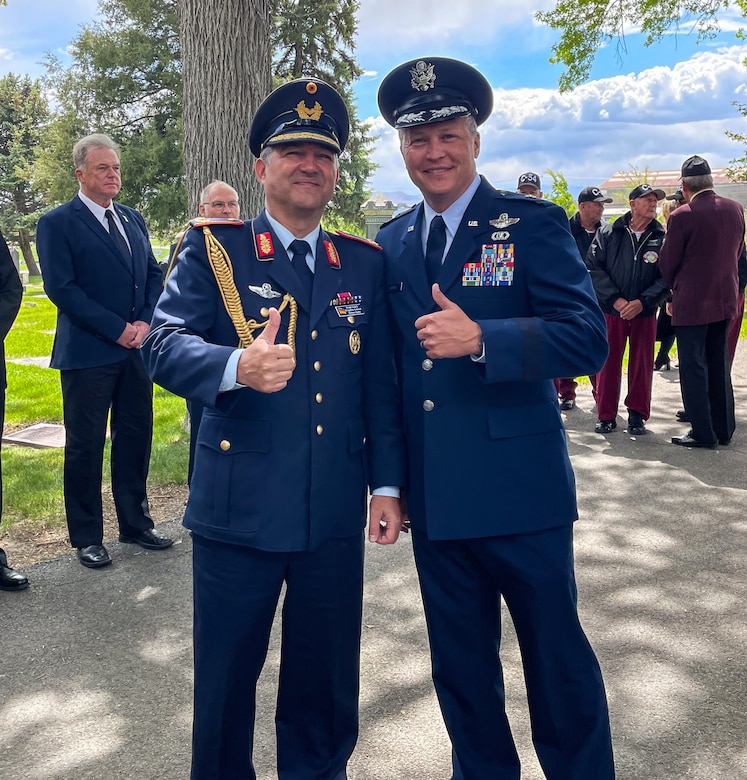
(264, 365)
(448, 333)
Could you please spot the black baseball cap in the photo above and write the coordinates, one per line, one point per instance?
(646, 189)
(677, 195)
(529, 178)
(592, 195)
(695, 166)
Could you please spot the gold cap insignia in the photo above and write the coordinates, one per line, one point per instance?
(314, 113)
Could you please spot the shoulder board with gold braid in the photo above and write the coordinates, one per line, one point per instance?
(359, 239)
(222, 268)
(210, 221)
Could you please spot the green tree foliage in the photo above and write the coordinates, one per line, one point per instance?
(125, 80)
(23, 113)
(317, 38)
(587, 25)
(560, 193)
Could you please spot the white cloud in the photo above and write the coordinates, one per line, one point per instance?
(654, 118)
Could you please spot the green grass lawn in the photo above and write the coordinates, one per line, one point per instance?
(33, 477)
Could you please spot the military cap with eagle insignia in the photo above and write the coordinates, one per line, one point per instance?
(301, 111)
(434, 89)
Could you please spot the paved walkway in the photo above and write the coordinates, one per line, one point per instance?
(95, 666)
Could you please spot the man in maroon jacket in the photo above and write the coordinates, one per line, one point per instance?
(699, 262)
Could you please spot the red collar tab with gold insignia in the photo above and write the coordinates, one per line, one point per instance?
(360, 239)
(265, 249)
(332, 257)
(210, 221)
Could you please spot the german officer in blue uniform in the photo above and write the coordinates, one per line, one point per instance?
(491, 300)
(281, 330)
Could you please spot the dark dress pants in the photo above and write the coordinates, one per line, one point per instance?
(462, 582)
(705, 380)
(236, 591)
(88, 395)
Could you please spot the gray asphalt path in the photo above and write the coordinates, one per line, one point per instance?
(95, 666)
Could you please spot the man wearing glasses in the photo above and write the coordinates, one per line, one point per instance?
(219, 200)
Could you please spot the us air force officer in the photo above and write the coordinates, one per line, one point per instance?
(299, 422)
(491, 301)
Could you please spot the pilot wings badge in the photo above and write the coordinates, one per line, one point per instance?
(504, 221)
(265, 291)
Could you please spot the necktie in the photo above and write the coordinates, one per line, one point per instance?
(119, 239)
(434, 249)
(300, 249)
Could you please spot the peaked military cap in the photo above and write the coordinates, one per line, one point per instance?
(695, 166)
(434, 89)
(304, 110)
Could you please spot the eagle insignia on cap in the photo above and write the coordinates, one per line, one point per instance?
(314, 113)
(423, 76)
(504, 221)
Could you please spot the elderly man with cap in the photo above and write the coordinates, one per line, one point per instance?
(300, 421)
(529, 184)
(583, 225)
(623, 261)
(491, 301)
(705, 237)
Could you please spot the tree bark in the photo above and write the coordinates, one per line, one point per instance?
(24, 242)
(226, 73)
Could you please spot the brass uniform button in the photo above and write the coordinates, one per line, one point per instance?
(351, 319)
(427, 364)
(317, 365)
(318, 398)
(428, 405)
(225, 445)
(264, 311)
(319, 429)
(314, 335)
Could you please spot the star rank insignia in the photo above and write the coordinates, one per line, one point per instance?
(504, 221)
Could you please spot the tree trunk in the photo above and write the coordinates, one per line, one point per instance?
(226, 73)
(24, 242)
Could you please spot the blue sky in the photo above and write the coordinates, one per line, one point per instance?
(652, 109)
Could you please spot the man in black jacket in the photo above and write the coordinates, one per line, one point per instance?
(623, 262)
(584, 225)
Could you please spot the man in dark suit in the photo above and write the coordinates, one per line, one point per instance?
(491, 301)
(299, 421)
(11, 292)
(99, 271)
(699, 260)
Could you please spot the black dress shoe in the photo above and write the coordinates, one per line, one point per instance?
(724, 442)
(662, 362)
(688, 441)
(567, 403)
(94, 556)
(682, 416)
(636, 424)
(149, 540)
(605, 426)
(10, 579)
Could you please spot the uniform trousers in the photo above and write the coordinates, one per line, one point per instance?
(89, 395)
(639, 333)
(462, 582)
(705, 380)
(236, 592)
